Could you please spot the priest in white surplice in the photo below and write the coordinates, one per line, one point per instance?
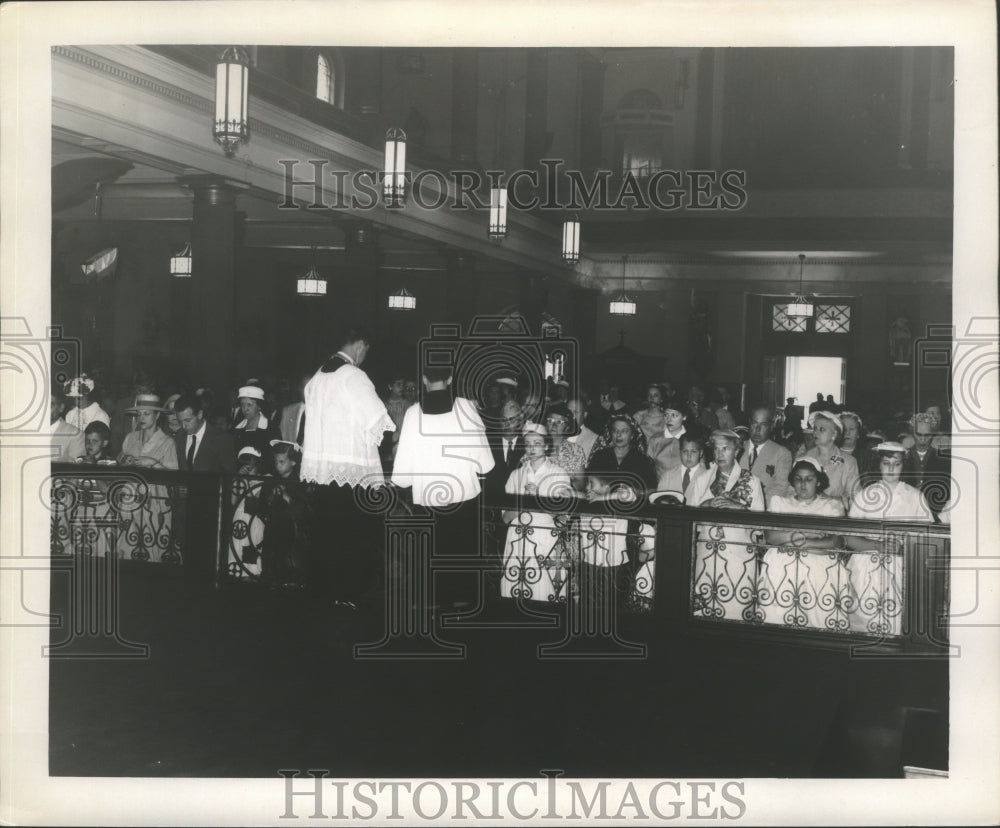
(441, 453)
(344, 424)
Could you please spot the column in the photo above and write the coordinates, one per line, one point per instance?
(462, 290)
(464, 105)
(536, 107)
(213, 286)
(359, 286)
(534, 297)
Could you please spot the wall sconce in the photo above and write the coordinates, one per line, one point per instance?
(232, 74)
(403, 300)
(622, 306)
(571, 240)
(312, 284)
(180, 263)
(394, 185)
(498, 213)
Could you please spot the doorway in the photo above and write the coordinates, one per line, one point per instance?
(807, 376)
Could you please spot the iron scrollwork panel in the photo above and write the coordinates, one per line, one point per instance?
(738, 576)
(117, 514)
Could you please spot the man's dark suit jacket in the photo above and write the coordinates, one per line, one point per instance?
(215, 454)
(932, 477)
(496, 479)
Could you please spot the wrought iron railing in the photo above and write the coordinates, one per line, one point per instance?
(812, 580)
(103, 511)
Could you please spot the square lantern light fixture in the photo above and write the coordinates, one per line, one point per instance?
(232, 75)
(180, 263)
(394, 181)
(311, 285)
(402, 301)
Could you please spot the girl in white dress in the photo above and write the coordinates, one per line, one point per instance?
(801, 585)
(878, 563)
(533, 568)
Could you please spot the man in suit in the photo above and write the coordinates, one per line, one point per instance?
(506, 446)
(201, 448)
(768, 461)
(924, 467)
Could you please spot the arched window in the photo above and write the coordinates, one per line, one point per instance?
(325, 79)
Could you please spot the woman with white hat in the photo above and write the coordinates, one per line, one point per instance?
(254, 429)
(725, 563)
(85, 412)
(841, 468)
(148, 446)
(889, 498)
(878, 577)
(149, 537)
(532, 565)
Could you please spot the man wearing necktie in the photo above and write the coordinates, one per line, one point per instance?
(201, 448)
(767, 460)
(506, 447)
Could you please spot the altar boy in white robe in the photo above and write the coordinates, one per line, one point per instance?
(441, 453)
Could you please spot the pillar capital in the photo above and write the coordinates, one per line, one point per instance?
(211, 190)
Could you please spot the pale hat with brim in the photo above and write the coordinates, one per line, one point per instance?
(833, 418)
(535, 428)
(145, 402)
(891, 447)
(171, 401)
(248, 450)
(79, 386)
(728, 433)
(812, 461)
(251, 392)
(506, 379)
(290, 443)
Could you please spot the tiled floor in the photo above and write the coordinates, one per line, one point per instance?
(244, 682)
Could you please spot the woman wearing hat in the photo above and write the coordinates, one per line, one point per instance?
(533, 568)
(149, 535)
(726, 486)
(567, 455)
(254, 428)
(148, 446)
(855, 444)
(84, 412)
(889, 498)
(725, 553)
(840, 467)
(878, 578)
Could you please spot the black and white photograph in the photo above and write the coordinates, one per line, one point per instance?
(442, 412)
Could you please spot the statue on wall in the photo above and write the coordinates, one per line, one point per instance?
(900, 340)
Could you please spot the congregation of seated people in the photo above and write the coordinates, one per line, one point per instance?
(699, 446)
